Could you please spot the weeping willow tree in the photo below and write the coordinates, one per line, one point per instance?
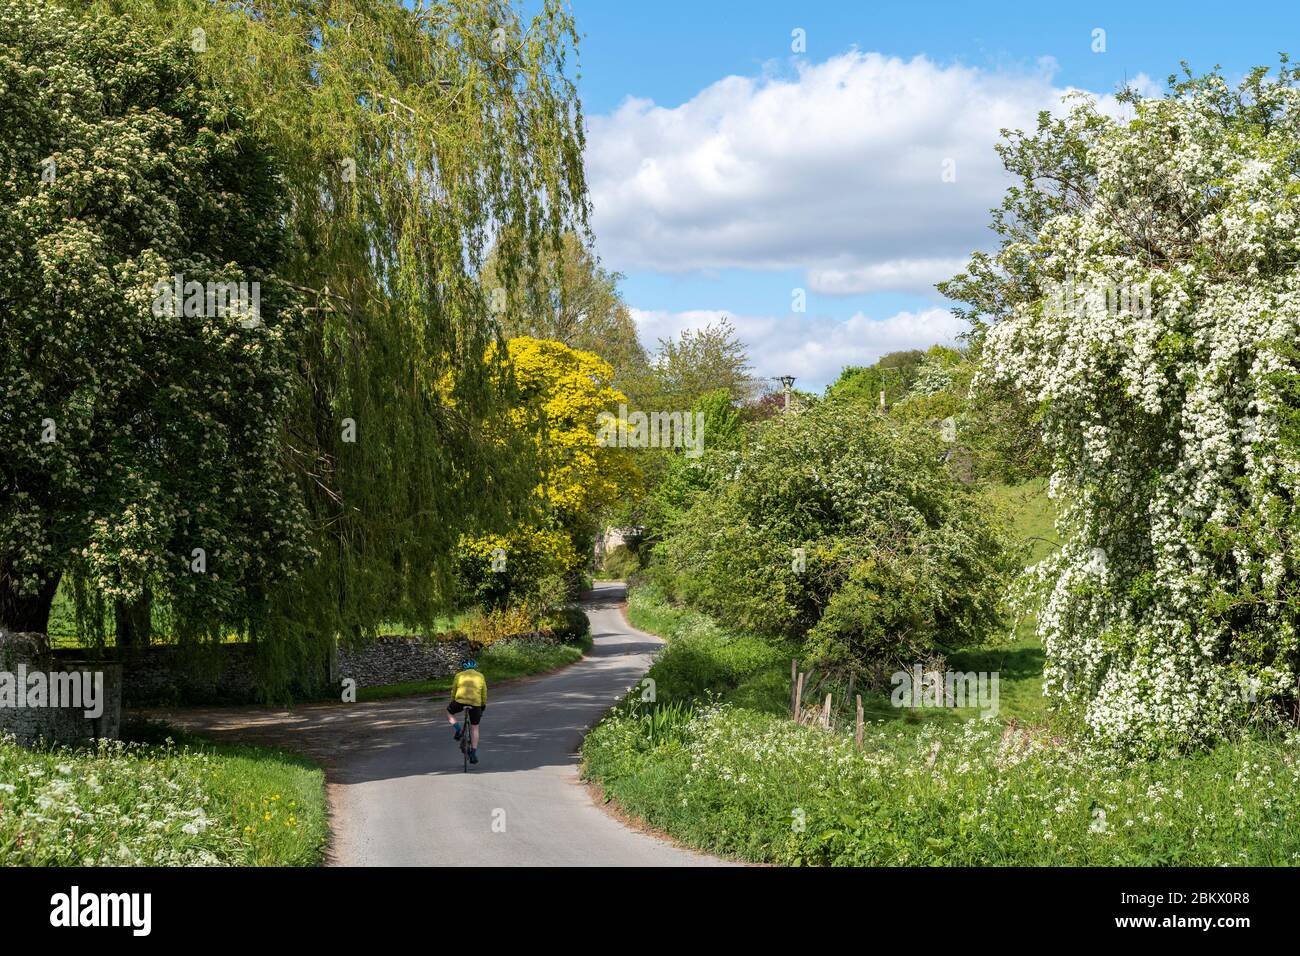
(411, 142)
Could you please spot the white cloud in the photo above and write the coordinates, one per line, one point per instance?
(814, 350)
(897, 275)
(838, 171)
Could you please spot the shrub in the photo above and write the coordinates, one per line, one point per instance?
(899, 558)
(565, 624)
(620, 562)
(484, 628)
(701, 658)
(489, 626)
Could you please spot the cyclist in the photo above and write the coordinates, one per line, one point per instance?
(468, 692)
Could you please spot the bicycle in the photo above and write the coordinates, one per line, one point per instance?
(464, 740)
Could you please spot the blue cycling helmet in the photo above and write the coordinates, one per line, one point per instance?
(469, 664)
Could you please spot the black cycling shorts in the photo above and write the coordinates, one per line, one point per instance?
(475, 713)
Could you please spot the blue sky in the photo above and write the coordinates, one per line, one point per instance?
(728, 172)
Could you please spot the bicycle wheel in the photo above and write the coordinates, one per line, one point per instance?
(464, 743)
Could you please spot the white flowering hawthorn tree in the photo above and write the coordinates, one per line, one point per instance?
(140, 451)
(1147, 297)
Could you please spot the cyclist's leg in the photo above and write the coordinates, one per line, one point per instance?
(452, 709)
(475, 715)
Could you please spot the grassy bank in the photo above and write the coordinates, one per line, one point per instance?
(717, 763)
(735, 781)
(152, 801)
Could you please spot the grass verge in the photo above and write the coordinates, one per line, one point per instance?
(160, 798)
(735, 781)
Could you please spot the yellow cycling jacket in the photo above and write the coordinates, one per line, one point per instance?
(469, 688)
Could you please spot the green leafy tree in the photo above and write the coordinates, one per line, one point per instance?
(140, 442)
(898, 560)
(695, 363)
(994, 430)
(701, 370)
(525, 565)
(892, 374)
(679, 478)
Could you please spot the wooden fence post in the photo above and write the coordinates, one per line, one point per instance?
(826, 713)
(857, 736)
(798, 696)
(794, 677)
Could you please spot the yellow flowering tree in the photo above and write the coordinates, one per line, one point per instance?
(560, 392)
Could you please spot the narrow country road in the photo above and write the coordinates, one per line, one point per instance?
(523, 805)
(398, 796)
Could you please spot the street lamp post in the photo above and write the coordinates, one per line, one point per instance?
(787, 383)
